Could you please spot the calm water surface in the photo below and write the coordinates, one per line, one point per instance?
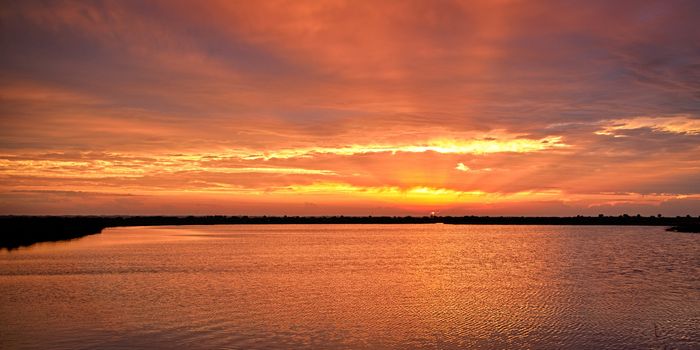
(356, 286)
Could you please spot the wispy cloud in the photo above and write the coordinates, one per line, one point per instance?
(675, 124)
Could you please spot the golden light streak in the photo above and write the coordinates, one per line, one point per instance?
(440, 145)
(133, 168)
(128, 165)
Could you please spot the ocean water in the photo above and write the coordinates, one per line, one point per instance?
(355, 287)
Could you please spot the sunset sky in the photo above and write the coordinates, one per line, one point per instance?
(350, 107)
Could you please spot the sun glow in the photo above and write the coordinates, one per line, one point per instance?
(417, 195)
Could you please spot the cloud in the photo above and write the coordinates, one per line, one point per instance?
(168, 99)
(462, 167)
(445, 146)
(677, 124)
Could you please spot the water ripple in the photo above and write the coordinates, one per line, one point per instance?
(356, 287)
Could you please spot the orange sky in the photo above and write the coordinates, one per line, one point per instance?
(350, 107)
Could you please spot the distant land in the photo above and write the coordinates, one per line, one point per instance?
(26, 230)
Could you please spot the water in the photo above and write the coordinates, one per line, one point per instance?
(355, 287)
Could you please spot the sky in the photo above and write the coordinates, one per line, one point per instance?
(350, 107)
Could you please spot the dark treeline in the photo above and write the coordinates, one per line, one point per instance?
(26, 230)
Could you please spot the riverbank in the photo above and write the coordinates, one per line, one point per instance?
(26, 230)
(689, 228)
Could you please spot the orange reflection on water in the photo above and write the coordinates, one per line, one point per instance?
(354, 286)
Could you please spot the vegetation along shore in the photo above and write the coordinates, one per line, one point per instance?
(26, 230)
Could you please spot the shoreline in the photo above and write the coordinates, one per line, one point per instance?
(22, 231)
